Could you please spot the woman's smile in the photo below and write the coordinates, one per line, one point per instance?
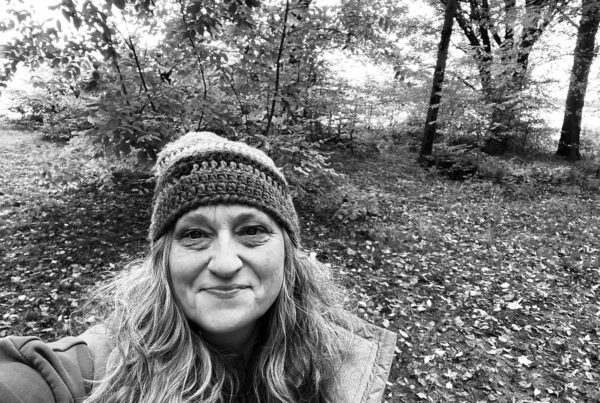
(225, 291)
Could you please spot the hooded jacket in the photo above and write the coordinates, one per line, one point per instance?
(32, 371)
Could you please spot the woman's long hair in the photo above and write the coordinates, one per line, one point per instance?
(159, 357)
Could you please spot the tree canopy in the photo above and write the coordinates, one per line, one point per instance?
(144, 71)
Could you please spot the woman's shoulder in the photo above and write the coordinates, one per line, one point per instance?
(367, 361)
(96, 338)
(365, 330)
(34, 371)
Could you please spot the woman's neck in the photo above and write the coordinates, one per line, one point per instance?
(241, 342)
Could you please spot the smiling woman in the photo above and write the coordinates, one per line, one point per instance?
(225, 308)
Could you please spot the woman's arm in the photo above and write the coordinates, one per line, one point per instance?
(34, 371)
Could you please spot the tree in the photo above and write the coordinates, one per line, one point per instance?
(140, 92)
(568, 145)
(501, 35)
(278, 66)
(438, 79)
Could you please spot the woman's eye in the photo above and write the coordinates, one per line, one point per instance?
(253, 230)
(195, 234)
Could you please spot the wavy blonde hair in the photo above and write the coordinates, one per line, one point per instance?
(159, 357)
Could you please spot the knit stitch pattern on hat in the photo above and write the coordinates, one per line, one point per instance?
(201, 168)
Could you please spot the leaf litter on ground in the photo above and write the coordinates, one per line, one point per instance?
(492, 289)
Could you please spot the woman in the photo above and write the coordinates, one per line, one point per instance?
(226, 308)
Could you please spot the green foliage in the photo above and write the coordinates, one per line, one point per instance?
(493, 168)
(464, 162)
(527, 132)
(313, 184)
(46, 98)
(209, 66)
(590, 143)
(31, 106)
(141, 73)
(469, 119)
(136, 101)
(465, 115)
(80, 164)
(355, 205)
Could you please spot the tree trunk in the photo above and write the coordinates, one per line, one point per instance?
(131, 47)
(568, 145)
(278, 67)
(438, 79)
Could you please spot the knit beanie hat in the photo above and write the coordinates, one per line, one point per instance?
(201, 168)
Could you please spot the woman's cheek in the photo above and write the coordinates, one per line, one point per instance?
(183, 265)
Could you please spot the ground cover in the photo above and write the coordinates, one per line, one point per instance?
(492, 288)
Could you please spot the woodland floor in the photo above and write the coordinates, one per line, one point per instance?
(492, 288)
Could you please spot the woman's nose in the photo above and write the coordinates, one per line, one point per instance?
(225, 261)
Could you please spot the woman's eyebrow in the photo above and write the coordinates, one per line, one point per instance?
(244, 217)
(194, 218)
(197, 218)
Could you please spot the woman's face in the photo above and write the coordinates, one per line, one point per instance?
(226, 265)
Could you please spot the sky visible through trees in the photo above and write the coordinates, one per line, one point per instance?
(551, 57)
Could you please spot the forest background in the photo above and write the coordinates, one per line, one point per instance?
(439, 153)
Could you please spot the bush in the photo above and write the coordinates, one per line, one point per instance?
(70, 120)
(355, 205)
(29, 106)
(410, 132)
(80, 163)
(467, 119)
(312, 182)
(493, 168)
(590, 143)
(455, 162)
(48, 101)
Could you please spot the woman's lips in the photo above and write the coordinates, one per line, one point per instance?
(225, 292)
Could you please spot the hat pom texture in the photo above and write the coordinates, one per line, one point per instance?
(202, 168)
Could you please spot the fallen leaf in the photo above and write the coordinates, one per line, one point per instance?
(523, 360)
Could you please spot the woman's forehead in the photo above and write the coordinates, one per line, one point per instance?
(221, 213)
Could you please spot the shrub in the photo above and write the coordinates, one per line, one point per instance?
(493, 168)
(29, 106)
(312, 182)
(70, 120)
(46, 99)
(409, 132)
(355, 205)
(590, 143)
(80, 163)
